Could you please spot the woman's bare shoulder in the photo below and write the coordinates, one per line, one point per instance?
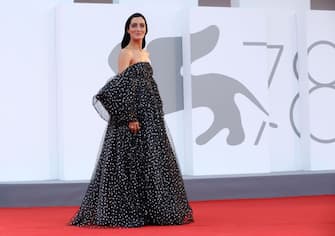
(125, 58)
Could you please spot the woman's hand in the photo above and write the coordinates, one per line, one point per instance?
(134, 126)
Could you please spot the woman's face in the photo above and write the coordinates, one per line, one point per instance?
(137, 28)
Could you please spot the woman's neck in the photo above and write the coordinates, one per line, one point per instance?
(136, 45)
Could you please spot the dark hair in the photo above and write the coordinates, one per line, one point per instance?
(126, 36)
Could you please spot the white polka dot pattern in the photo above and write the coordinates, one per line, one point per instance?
(136, 180)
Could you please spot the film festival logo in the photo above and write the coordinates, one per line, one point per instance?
(168, 76)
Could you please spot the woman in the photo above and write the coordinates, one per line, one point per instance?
(136, 181)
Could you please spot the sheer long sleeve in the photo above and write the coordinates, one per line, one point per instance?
(118, 97)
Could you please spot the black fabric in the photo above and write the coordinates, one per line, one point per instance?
(136, 180)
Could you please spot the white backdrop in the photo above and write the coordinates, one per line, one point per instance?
(246, 67)
(281, 49)
(27, 72)
(321, 61)
(49, 129)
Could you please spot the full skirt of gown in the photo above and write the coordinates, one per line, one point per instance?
(136, 180)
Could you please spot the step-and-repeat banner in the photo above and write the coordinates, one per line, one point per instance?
(247, 104)
(241, 88)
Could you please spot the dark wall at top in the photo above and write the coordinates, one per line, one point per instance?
(323, 4)
(215, 3)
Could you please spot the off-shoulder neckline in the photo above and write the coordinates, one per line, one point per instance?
(136, 63)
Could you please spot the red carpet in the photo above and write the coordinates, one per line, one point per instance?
(300, 216)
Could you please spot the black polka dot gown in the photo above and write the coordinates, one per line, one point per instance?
(136, 180)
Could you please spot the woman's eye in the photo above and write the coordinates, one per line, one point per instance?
(134, 25)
